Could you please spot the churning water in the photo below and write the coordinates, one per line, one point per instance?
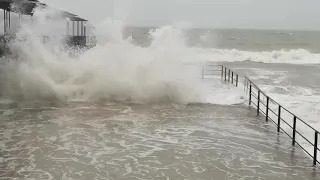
(115, 69)
(118, 109)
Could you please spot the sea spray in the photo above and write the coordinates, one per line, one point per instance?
(114, 70)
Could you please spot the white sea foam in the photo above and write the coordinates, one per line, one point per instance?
(115, 69)
(293, 56)
(303, 102)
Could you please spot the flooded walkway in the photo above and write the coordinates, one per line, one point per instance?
(121, 141)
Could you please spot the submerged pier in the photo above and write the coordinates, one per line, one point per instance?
(147, 142)
(258, 139)
(159, 141)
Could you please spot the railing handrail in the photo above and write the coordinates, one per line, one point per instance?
(248, 84)
(265, 94)
(295, 118)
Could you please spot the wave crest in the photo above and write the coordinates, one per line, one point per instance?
(115, 70)
(293, 56)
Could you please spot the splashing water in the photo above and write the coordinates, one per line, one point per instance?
(115, 70)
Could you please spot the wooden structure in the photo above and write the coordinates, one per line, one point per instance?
(76, 27)
(76, 31)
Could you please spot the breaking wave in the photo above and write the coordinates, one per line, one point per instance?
(115, 69)
(293, 56)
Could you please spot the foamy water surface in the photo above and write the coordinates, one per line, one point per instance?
(144, 129)
(295, 87)
(123, 141)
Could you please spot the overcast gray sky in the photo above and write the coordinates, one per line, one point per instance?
(274, 14)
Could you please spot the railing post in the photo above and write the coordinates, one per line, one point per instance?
(279, 118)
(225, 74)
(267, 110)
(247, 84)
(228, 75)
(250, 93)
(294, 130)
(315, 148)
(237, 79)
(232, 77)
(258, 103)
(221, 72)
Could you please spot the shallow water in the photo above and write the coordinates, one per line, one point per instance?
(82, 140)
(126, 141)
(296, 87)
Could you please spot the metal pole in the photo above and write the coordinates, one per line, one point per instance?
(4, 21)
(267, 109)
(250, 94)
(78, 26)
(73, 28)
(258, 106)
(221, 72)
(315, 148)
(232, 77)
(82, 28)
(294, 130)
(225, 74)
(229, 75)
(279, 118)
(7, 16)
(237, 79)
(9, 20)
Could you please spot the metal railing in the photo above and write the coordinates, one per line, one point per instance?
(264, 105)
(227, 74)
(262, 99)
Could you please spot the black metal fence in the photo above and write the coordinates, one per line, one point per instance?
(279, 115)
(285, 121)
(227, 74)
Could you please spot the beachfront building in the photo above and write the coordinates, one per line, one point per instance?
(15, 11)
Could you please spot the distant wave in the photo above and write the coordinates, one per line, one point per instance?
(294, 56)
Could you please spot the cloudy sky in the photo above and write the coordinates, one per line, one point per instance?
(274, 14)
(270, 14)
